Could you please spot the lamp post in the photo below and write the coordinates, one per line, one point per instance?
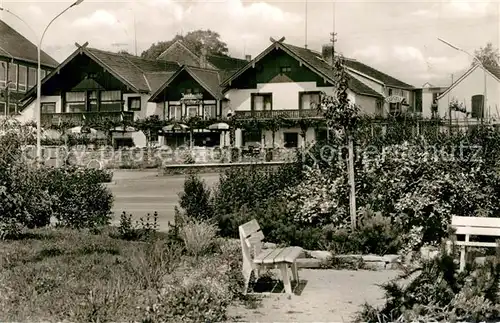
(484, 70)
(39, 73)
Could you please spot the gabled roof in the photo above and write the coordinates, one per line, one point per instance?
(135, 72)
(492, 70)
(313, 61)
(16, 45)
(180, 52)
(220, 62)
(157, 79)
(376, 74)
(209, 79)
(131, 69)
(223, 62)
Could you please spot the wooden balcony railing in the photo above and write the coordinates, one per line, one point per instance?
(82, 117)
(290, 114)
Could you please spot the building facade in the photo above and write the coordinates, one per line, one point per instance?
(477, 87)
(284, 81)
(18, 68)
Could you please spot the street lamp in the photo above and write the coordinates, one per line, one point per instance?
(39, 72)
(484, 70)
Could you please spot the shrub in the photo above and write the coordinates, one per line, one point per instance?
(142, 229)
(199, 237)
(438, 292)
(374, 235)
(79, 200)
(195, 198)
(249, 187)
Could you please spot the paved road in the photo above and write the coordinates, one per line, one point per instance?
(140, 193)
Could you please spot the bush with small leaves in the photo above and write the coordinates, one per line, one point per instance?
(438, 292)
(195, 198)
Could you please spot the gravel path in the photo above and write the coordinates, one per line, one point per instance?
(329, 296)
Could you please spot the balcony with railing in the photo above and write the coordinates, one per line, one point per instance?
(290, 114)
(82, 117)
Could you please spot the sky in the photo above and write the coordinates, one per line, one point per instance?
(396, 37)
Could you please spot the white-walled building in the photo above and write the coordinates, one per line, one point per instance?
(283, 81)
(469, 91)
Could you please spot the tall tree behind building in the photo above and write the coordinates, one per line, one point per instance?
(488, 55)
(194, 40)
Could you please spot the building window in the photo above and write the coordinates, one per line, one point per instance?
(390, 92)
(111, 101)
(262, 101)
(75, 102)
(394, 109)
(309, 100)
(434, 97)
(23, 78)
(2, 108)
(252, 138)
(286, 69)
(43, 74)
(175, 112)
(12, 76)
(49, 107)
(191, 111)
(134, 103)
(92, 101)
(477, 106)
(32, 76)
(3, 74)
(210, 111)
(291, 139)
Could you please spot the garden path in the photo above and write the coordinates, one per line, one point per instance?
(329, 296)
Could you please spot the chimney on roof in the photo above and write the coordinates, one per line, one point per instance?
(203, 57)
(248, 58)
(327, 53)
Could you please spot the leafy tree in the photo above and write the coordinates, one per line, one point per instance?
(194, 40)
(488, 55)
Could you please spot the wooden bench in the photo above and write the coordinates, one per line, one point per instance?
(474, 226)
(255, 258)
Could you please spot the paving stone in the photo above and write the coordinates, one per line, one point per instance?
(373, 258)
(349, 256)
(321, 255)
(392, 258)
(308, 263)
(375, 265)
(428, 252)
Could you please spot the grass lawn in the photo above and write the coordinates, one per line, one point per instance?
(59, 274)
(140, 193)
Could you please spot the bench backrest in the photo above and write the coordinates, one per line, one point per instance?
(481, 226)
(251, 237)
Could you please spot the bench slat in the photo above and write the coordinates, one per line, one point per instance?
(289, 255)
(283, 254)
(480, 231)
(270, 258)
(255, 238)
(250, 227)
(472, 221)
(476, 244)
(261, 256)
